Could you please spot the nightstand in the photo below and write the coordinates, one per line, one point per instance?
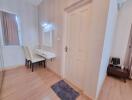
(116, 71)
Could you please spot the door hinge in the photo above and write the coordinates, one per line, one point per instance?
(66, 49)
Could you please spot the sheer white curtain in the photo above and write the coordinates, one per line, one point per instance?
(1, 58)
(130, 65)
(10, 29)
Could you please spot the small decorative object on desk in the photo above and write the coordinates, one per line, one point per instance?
(114, 69)
(115, 61)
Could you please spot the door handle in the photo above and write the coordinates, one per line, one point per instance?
(66, 49)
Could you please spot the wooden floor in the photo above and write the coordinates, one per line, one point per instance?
(22, 84)
(115, 89)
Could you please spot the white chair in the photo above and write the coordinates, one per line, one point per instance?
(27, 58)
(33, 58)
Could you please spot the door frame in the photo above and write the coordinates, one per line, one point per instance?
(128, 50)
(65, 32)
(64, 45)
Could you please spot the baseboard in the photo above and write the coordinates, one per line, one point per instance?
(70, 83)
(78, 89)
(61, 77)
(90, 98)
(73, 85)
(12, 67)
(54, 72)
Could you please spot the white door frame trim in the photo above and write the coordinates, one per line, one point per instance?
(77, 4)
(64, 43)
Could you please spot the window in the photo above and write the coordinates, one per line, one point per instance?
(10, 29)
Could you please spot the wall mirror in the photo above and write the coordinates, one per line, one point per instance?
(48, 29)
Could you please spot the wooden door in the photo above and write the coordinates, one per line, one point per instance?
(78, 29)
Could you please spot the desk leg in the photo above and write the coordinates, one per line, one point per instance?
(30, 64)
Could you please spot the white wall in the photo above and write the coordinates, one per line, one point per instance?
(53, 11)
(122, 31)
(13, 55)
(99, 20)
(110, 31)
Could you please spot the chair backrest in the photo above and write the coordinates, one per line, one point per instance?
(26, 54)
(29, 51)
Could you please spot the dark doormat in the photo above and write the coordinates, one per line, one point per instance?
(64, 91)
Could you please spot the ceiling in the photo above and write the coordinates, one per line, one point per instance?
(37, 2)
(34, 2)
(121, 1)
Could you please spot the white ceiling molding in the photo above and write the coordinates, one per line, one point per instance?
(77, 5)
(34, 2)
(121, 3)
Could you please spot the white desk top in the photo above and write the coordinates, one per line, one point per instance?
(45, 54)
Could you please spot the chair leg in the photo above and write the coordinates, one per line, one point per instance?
(44, 63)
(30, 64)
(40, 63)
(32, 67)
(25, 62)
